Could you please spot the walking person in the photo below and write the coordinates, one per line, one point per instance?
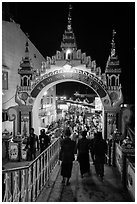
(83, 154)
(44, 140)
(100, 149)
(67, 156)
(32, 145)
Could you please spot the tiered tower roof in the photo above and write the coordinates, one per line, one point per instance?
(26, 65)
(113, 62)
(69, 40)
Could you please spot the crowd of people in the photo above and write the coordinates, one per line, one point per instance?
(35, 144)
(84, 142)
(77, 141)
(80, 146)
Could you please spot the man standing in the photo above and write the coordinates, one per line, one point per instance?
(67, 156)
(83, 154)
(100, 149)
(32, 145)
(44, 140)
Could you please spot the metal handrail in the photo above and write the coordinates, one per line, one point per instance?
(131, 134)
(24, 184)
(132, 131)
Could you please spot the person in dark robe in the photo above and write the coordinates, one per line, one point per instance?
(32, 145)
(83, 154)
(100, 149)
(67, 156)
(44, 140)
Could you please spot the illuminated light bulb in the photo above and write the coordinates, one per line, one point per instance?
(45, 93)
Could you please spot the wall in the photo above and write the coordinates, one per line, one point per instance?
(13, 49)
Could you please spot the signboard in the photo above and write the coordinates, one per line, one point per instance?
(23, 152)
(75, 74)
(13, 151)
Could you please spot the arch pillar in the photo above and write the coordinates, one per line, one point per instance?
(25, 119)
(111, 120)
(22, 119)
(35, 118)
(104, 128)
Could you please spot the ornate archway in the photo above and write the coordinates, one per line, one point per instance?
(60, 75)
(73, 73)
(70, 64)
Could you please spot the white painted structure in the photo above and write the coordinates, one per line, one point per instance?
(69, 64)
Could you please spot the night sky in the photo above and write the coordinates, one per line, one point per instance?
(92, 23)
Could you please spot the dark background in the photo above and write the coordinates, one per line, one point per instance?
(92, 23)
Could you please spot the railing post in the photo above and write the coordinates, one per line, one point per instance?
(29, 185)
(23, 190)
(48, 165)
(8, 195)
(44, 167)
(34, 181)
(16, 192)
(38, 176)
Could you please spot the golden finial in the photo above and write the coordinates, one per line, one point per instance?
(113, 35)
(27, 45)
(113, 44)
(69, 17)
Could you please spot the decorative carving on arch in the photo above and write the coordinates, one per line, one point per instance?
(12, 113)
(79, 75)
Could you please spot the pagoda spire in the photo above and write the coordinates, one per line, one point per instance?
(26, 69)
(26, 61)
(113, 51)
(27, 47)
(69, 27)
(113, 58)
(113, 69)
(68, 40)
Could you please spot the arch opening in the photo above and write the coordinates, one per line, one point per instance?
(44, 102)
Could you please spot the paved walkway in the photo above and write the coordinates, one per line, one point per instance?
(88, 189)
